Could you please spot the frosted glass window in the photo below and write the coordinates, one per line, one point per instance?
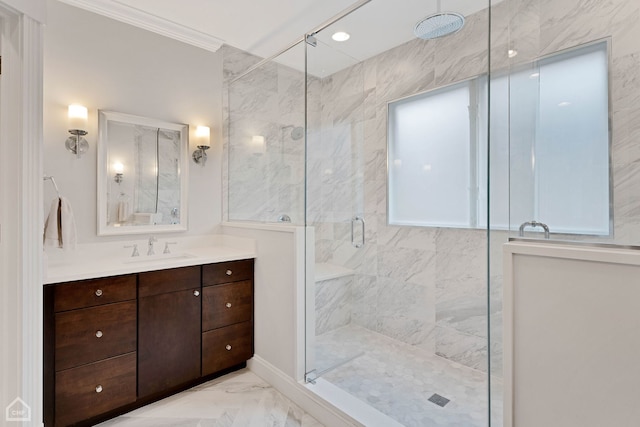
(429, 156)
(572, 146)
(549, 149)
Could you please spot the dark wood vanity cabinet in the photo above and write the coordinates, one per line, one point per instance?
(227, 315)
(113, 344)
(168, 329)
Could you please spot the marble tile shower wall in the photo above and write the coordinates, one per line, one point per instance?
(265, 181)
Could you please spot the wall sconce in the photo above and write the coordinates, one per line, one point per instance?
(258, 146)
(118, 168)
(78, 120)
(202, 141)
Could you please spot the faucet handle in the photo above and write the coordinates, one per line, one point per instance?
(166, 247)
(135, 249)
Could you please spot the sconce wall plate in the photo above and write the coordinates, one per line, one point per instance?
(78, 121)
(200, 155)
(202, 135)
(76, 143)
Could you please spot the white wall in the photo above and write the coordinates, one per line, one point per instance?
(105, 64)
(35, 9)
(279, 293)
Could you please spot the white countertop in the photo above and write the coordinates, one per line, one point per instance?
(111, 259)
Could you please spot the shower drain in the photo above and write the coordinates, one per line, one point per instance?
(439, 400)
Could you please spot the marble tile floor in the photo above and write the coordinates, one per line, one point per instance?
(398, 379)
(239, 399)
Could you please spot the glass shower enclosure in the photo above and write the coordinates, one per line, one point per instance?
(410, 161)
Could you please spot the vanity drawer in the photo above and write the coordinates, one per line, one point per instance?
(91, 390)
(89, 293)
(225, 272)
(226, 347)
(227, 304)
(171, 280)
(91, 334)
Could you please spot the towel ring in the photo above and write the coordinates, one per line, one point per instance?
(53, 181)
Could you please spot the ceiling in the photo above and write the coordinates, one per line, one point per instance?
(265, 27)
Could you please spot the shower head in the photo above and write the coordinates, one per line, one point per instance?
(297, 132)
(439, 25)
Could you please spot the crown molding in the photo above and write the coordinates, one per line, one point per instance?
(136, 17)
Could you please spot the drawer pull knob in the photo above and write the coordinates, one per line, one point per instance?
(98, 389)
(228, 305)
(229, 272)
(98, 334)
(196, 293)
(99, 293)
(228, 347)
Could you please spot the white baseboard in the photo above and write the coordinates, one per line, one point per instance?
(327, 403)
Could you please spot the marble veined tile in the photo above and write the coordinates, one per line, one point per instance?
(569, 23)
(236, 61)
(465, 349)
(397, 379)
(333, 304)
(240, 399)
(626, 134)
(626, 82)
(407, 265)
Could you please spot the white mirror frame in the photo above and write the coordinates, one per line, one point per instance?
(104, 174)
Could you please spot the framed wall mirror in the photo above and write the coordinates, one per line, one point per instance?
(142, 175)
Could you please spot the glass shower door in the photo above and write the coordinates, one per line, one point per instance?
(396, 213)
(336, 217)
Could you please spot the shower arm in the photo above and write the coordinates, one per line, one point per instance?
(534, 224)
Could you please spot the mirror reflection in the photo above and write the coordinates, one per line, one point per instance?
(143, 164)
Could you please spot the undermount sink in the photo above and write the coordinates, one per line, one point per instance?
(158, 258)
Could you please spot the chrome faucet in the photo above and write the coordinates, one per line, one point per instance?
(152, 240)
(534, 224)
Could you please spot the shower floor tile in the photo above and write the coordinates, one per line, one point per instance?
(398, 379)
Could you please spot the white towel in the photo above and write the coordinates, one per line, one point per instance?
(123, 211)
(60, 226)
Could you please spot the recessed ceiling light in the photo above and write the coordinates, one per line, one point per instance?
(564, 104)
(534, 75)
(341, 36)
(512, 53)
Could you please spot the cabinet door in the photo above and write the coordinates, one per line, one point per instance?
(169, 340)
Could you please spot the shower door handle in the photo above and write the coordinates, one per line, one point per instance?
(354, 221)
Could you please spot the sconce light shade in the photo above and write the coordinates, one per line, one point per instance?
(258, 145)
(202, 140)
(78, 120)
